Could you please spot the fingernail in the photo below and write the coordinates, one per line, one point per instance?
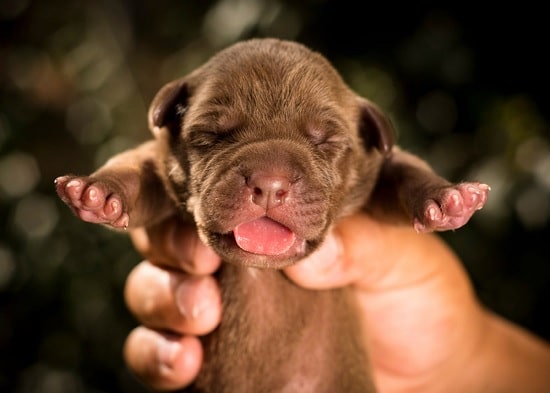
(193, 299)
(168, 352)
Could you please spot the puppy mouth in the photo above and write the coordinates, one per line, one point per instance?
(262, 242)
(264, 236)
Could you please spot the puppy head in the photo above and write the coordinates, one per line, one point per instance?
(264, 150)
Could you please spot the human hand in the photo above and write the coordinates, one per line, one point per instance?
(175, 297)
(422, 324)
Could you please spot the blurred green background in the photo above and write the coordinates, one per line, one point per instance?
(467, 89)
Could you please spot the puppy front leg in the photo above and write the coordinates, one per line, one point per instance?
(125, 192)
(424, 198)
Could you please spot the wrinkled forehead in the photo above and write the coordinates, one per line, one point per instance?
(258, 90)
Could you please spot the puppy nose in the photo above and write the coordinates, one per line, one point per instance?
(268, 191)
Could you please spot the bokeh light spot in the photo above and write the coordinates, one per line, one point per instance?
(19, 174)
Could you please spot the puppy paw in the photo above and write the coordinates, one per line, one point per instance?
(452, 208)
(93, 201)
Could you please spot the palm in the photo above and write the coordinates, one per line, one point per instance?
(418, 308)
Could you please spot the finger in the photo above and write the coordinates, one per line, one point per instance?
(359, 250)
(323, 269)
(337, 262)
(175, 243)
(167, 299)
(163, 361)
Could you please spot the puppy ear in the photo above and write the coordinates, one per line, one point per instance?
(375, 128)
(168, 107)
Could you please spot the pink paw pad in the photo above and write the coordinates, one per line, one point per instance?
(92, 201)
(452, 208)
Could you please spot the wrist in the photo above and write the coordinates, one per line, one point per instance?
(511, 359)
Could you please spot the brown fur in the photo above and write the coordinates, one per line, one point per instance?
(278, 112)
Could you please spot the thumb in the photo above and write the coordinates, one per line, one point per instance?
(325, 268)
(358, 250)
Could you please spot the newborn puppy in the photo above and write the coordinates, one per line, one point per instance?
(265, 147)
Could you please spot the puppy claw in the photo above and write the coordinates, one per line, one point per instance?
(123, 222)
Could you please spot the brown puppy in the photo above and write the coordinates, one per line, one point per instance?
(265, 147)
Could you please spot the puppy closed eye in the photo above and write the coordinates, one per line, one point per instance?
(205, 139)
(328, 141)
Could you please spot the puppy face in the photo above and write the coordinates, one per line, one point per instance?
(264, 150)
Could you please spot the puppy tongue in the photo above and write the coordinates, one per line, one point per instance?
(264, 236)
